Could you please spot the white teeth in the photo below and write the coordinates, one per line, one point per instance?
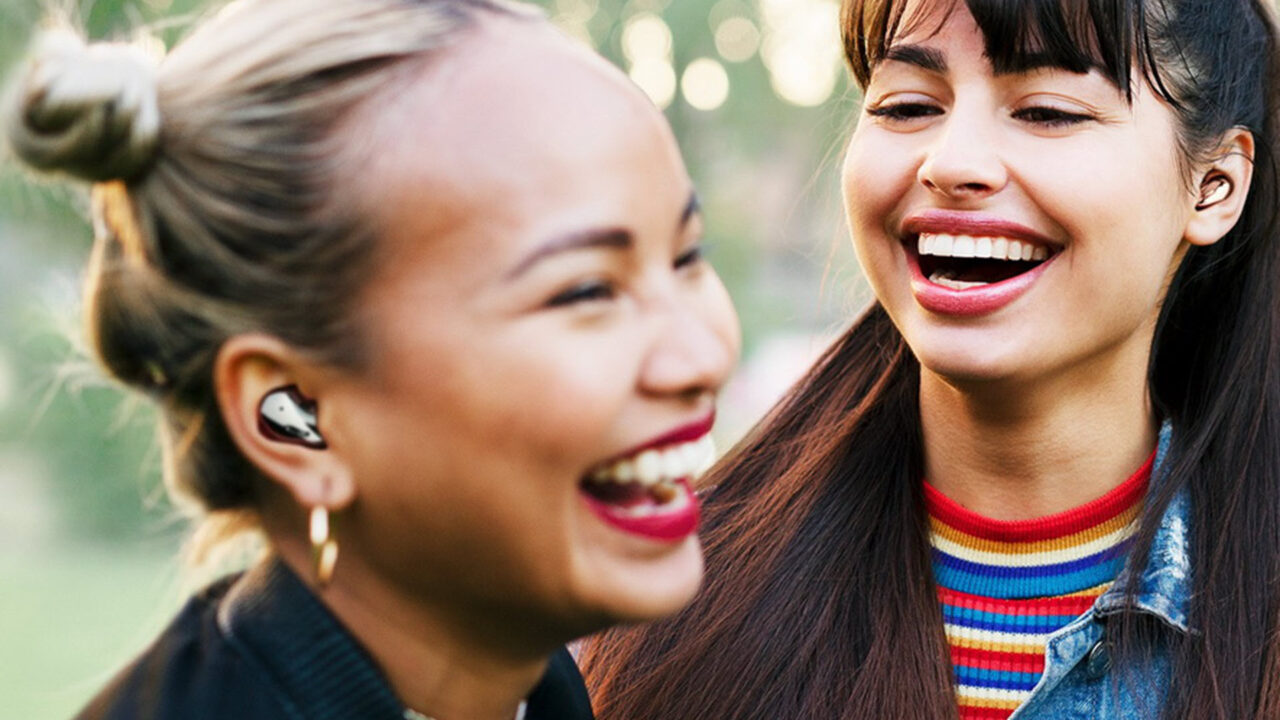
(625, 470)
(649, 467)
(966, 246)
(941, 278)
(665, 465)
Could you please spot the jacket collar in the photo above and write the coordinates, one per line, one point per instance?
(275, 621)
(281, 628)
(1164, 588)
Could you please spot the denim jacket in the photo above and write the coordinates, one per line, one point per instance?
(1079, 681)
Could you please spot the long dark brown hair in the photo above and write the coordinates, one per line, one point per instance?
(820, 601)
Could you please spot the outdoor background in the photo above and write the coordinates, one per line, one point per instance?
(759, 99)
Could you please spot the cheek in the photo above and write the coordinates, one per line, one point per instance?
(543, 398)
(711, 302)
(877, 178)
(878, 172)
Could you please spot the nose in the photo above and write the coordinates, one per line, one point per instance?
(963, 161)
(695, 348)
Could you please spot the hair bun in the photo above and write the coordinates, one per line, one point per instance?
(87, 110)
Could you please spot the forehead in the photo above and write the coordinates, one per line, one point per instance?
(518, 130)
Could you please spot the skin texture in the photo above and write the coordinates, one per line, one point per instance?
(500, 373)
(1040, 405)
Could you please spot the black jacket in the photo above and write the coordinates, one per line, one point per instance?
(262, 646)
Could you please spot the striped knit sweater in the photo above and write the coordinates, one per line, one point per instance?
(1006, 586)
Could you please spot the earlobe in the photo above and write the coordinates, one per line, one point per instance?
(1222, 189)
(259, 383)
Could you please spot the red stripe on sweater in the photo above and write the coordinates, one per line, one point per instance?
(1091, 514)
(982, 713)
(1072, 605)
(996, 660)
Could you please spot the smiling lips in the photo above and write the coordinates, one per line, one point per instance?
(647, 492)
(967, 266)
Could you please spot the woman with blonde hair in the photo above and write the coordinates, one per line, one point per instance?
(417, 288)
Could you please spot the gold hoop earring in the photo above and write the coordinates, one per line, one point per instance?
(324, 547)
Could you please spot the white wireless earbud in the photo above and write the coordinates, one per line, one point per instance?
(1213, 191)
(287, 416)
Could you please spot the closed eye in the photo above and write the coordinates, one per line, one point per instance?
(904, 111)
(692, 256)
(1051, 117)
(591, 291)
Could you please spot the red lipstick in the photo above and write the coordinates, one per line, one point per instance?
(667, 525)
(983, 299)
(682, 434)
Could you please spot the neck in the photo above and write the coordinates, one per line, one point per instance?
(1013, 451)
(432, 662)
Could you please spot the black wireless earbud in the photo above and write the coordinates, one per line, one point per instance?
(288, 416)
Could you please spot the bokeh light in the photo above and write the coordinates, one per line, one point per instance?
(646, 37)
(705, 84)
(801, 49)
(657, 79)
(646, 44)
(737, 39)
(574, 17)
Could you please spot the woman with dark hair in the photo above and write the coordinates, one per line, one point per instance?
(1040, 477)
(416, 286)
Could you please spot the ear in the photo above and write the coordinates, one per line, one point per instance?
(1221, 189)
(250, 367)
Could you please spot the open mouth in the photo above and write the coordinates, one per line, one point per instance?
(648, 493)
(962, 262)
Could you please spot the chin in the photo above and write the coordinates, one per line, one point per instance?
(640, 591)
(966, 370)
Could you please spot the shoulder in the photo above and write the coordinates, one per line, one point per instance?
(561, 695)
(191, 672)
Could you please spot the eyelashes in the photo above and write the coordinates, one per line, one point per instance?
(692, 256)
(602, 289)
(904, 111)
(1051, 116)
(1039, 115)
(590, 291)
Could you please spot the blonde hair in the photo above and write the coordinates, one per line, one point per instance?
(217, 205)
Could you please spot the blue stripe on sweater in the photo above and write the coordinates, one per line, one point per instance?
(998, 679)
(1110, 554)
(1025, 587)
(999, 622)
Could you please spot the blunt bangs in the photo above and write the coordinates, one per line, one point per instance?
(1019, 35)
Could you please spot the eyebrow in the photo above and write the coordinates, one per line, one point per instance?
(918, 55)
(596, 238)
(935, 60)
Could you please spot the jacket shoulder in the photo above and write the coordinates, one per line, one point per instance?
(190, 672)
